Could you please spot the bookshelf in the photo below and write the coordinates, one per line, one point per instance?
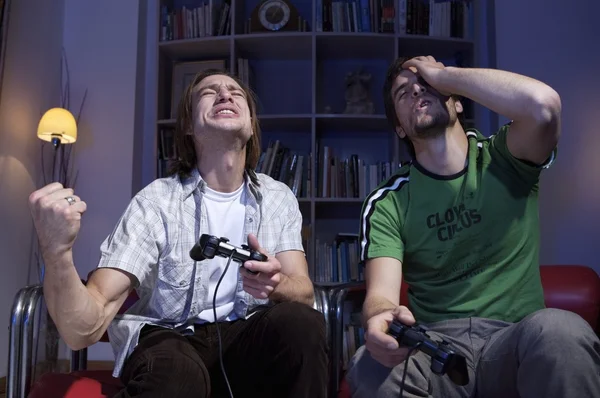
(299, 78)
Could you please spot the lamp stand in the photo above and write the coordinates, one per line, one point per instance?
(57, 162)
(52, 336)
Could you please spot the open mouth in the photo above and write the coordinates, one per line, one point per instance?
(423, 104)
(222, 112)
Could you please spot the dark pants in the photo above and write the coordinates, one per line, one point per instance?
(277, 352)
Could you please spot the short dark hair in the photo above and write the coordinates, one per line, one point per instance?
(184, 144)
(388, 101)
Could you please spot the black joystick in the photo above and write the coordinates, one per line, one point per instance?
(444, 359)
(209, 246)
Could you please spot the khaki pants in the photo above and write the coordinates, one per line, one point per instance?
(550, 353)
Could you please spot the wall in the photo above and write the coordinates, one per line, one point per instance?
(556, 42)
(30, 86)
(144, 167)
(103, 60)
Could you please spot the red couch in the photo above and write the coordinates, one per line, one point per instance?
(574, 288)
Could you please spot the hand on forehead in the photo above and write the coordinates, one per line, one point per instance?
(410, 72)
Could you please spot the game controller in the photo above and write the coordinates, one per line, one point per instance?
(444, 359)
(209, 246)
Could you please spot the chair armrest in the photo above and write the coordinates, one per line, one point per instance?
(318, 303)
(24, 332)
(338, 296)
(22, 336)
(322, 305)
(573, 288)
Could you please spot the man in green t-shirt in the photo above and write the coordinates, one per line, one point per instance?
(460, 224)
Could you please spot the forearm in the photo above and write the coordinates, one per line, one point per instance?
(517, 97)
(75, 312)
(294, 288)
(374, 305)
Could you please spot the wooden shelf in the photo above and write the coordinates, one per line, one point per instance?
(439, 47)
(293, 122)
(203, 47)
(331, 201)
(348, 122)
(299, 122)
(338, 200)
(300, 82)
(334, 45)
(329, 45)
(284, 45)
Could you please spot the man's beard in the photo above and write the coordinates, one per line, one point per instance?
(435, 122)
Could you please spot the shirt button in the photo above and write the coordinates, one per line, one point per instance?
(181, 283)
(250, 219)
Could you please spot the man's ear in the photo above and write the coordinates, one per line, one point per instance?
(458, 106)
(400, 132)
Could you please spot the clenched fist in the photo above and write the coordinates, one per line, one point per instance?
(56, 213)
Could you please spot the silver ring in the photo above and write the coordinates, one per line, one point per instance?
(71, 200)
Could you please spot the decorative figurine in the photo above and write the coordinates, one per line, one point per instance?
(358, 98)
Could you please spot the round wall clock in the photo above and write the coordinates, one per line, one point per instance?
(274, 16)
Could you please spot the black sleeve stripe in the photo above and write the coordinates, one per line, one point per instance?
(393, 185)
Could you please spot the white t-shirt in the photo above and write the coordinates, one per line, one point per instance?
(226, 213)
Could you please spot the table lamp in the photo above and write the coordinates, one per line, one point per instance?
(57, 126)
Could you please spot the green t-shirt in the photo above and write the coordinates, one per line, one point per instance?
(468, 242)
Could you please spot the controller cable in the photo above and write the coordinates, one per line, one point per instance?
(217, 323)
(406, 367)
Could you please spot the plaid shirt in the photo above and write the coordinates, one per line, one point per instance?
(152, 241)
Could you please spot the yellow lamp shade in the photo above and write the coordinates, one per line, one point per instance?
(58, 124)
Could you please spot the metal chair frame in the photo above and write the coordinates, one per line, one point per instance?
(24, 332)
